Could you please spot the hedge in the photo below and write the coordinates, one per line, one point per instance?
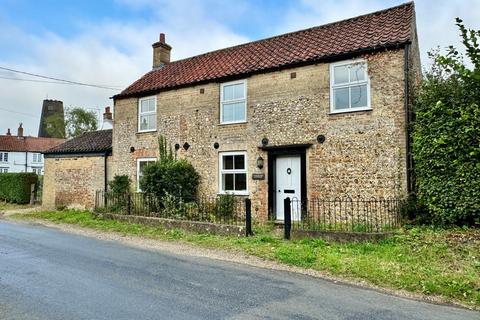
(176, 178)
(446, 137)
(16, 187)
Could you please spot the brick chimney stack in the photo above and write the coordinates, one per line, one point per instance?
(107, 119)
(8, 132)
(161, 52)
(20, 130)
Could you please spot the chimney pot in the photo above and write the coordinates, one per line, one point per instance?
(20, 130)
(8, 132)
(162, 37)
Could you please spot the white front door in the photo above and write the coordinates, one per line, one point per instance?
(288, 181)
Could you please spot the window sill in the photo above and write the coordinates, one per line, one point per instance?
(350, 111)
(230, 193)
(229, 123)
(146, 131)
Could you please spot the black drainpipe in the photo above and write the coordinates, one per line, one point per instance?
(26, 161)
(407, 120)
(105, 172)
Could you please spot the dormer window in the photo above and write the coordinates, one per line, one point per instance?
(147, 114)
(233, 102)
(349, 86)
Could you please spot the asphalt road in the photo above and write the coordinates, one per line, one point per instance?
(48, 274)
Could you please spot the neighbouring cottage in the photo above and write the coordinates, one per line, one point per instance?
(22, 153)
(321, 112)
(76, 169)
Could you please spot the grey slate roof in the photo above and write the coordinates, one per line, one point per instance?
(89, 142)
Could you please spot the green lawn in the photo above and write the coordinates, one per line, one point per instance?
(444, 263)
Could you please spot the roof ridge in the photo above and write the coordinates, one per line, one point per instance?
(410, 3)
(390, 28)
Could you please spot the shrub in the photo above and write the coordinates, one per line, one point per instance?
(16, 187)
(177, 178)
(225, 209)
(120, 184)
(446, 137)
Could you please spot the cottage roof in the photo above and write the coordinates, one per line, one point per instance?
(11, 143)
(88, 142)
(390, 28)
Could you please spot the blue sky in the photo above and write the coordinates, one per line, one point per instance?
(108, 42)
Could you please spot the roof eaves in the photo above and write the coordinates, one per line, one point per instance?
(327, 58)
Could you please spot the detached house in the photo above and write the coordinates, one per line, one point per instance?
(20, 153)
(321, 112)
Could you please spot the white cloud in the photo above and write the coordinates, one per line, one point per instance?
(118, 52)
(107, 53)
(435, 18)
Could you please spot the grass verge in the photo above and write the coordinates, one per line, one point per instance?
(429, 261)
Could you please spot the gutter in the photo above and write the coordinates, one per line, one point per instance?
(409, 162)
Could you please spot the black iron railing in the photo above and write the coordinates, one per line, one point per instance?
(345, 214)
(223, 209)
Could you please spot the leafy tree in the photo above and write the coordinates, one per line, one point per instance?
(446, 137)
(76, 122)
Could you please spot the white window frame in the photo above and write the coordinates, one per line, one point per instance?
(35, 169)
(139, 160)
(140, 114)
(221, 171)
(37, 158)
(3, 170)
(348, 85)
(2, 157)
(244, 100)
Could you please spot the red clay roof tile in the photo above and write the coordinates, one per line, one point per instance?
(383, 29)
(27, 144)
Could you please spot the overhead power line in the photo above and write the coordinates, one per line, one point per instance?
(116, 88)
(34, 80)
(18, 112)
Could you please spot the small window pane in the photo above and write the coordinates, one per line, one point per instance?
(148, 122)
(357, 72)
(239, 91)
(143, 123)
(233, 112)
(239, 162)
(227, 162)
(358, 94)
(239, 111)
(151, 105)
(147, 105)
(240, 181)
(340, 74)
(152, 119)
(228, 113)
(5, 157)
(228, 93)
(228, 182)
(144, 106)
(340, 98)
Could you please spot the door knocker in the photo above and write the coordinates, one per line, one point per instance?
(289, 171)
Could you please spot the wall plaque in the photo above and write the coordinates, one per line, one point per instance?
(258, 176)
